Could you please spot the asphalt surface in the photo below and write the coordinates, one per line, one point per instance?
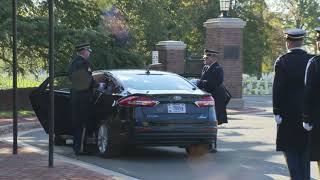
(246, 151)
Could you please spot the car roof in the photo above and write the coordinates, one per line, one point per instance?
(115, 73)
(133, 71)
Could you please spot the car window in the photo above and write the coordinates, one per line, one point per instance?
(154, 82)
(109, 86)
(61, 83)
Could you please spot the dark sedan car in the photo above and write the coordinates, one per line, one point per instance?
(136, 108)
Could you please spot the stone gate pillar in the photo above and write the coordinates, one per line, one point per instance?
(225, 35)
(172, 55)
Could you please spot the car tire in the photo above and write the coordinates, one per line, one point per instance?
(197, 150)
(59, 141)
(105, 145)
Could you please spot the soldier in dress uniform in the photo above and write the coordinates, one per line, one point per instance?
(81, 94)
(311, 111)
(212, 81)
(288, 89)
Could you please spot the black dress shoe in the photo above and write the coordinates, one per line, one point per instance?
(213, 150)
(76, 153)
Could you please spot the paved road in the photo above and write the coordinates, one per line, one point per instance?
(263, 102)
(246, 151)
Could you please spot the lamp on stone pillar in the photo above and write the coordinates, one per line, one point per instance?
(224, 7)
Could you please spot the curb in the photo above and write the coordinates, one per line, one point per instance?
(235, 112)
(88, 166)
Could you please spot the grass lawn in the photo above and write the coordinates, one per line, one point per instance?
(21, 113)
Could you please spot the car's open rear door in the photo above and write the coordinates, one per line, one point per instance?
(39, 99)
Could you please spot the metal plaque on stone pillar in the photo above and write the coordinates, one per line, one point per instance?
(231, 52)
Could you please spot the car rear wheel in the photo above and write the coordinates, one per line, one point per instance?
(197, 150)
(104, 142)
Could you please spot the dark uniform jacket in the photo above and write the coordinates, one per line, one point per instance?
(288, 89)
(312, 105)
(81, 92)
(212, 82)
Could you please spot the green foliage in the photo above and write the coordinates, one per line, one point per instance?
(300, 14)
(144, 23)
(22, 82)
(263, 36)
(153, 21)
(21, 113)
(76, 21)
(159, 20)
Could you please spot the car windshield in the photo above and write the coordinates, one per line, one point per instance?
(154, 82)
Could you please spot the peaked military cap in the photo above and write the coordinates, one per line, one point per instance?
(82, 46)
(209, 51)
(295, 34)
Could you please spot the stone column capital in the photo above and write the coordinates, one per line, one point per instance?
(225, 23)
(171, 45)
(172, 55)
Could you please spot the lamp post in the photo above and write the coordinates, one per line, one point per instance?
(224, 7)
(14, 72)
(51, 76)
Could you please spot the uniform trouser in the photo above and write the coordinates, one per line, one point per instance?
(77, 137)
(298, 164)
(213, 145)
(81, 114)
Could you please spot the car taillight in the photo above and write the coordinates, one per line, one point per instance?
(138, 101)
(205, 102)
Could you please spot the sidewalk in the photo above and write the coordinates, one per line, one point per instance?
(29, 164)
(24, 123)
(32, 164)
(28, 119)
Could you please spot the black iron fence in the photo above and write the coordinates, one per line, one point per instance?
(193, 66)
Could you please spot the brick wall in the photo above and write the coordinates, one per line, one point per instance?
(175, 61)
(172, 56)
(23, 101)
(221, 33)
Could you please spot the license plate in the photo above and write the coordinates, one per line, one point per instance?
(176, 108)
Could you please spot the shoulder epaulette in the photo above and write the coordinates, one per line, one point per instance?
(277, 60)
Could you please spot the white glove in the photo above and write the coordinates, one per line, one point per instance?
(195, 81)
(101, 87)
(278, 119)
(307, 126)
